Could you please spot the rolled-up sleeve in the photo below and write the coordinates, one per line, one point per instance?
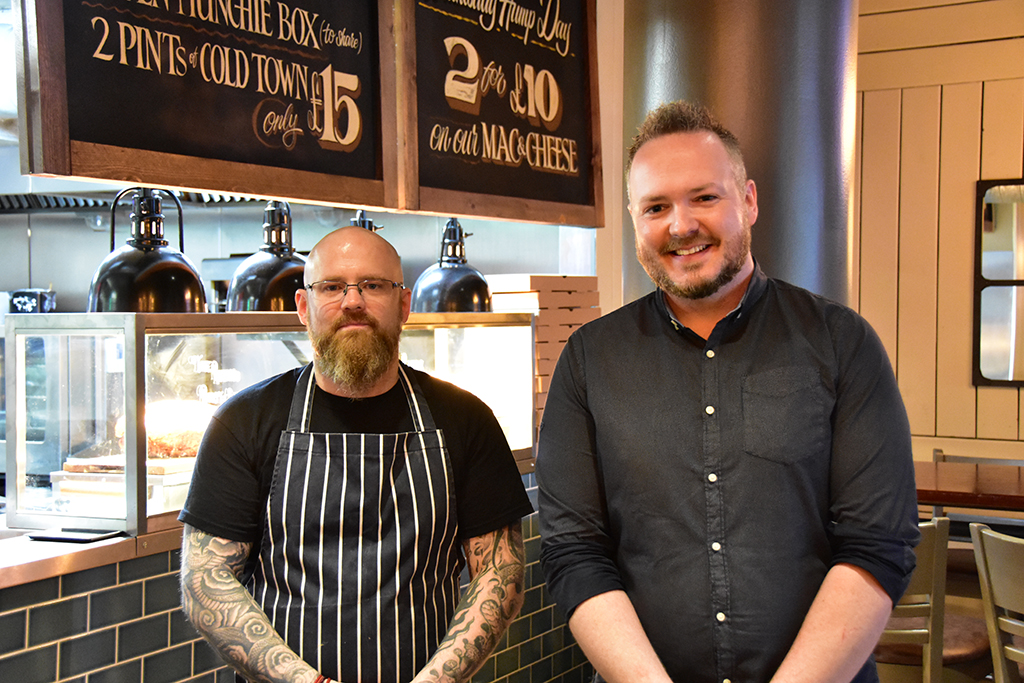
(577, 555)
(874, 498)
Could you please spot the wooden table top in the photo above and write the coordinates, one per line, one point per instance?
(955, 484)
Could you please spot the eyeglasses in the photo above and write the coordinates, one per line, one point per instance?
(330, 291)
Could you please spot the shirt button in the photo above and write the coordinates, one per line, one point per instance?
(720, 616)
(712, 477)
(716, 546)
(710, 410)
(710, 353)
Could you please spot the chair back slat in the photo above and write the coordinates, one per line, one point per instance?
(915, 610)
(1000, 560)
(926, 590)
(1012, 626)
(1014, 653)
(908, 636)
(939, 456)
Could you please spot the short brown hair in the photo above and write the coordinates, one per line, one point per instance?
(684, 117)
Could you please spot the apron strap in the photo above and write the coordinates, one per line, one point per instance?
(301, 410)
(422, 420)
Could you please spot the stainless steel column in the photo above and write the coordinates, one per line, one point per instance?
(781, 74)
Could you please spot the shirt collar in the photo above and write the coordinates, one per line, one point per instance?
(755, 290)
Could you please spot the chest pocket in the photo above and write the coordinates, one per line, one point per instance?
(786, 414)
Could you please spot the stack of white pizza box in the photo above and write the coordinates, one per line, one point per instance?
(560, 304)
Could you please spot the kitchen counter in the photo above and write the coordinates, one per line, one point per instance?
(24, 560)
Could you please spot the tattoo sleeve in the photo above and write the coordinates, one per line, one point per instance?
(224, 612)
(491, 601)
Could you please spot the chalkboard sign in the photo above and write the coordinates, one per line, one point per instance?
(281, 98)
(506, 109)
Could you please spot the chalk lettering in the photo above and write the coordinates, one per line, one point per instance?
(440, 138)
(274, 76)
(224, 65)
(552, 29)
(151, 50)
(341, 38)
(512, 15)
(508, 15)
(99, 53)
(297, 26)
(493, 77)
(461, 86)
(252, 16)
(339, 94)
(536, 97)
(270, 123)
(552, 154)
(501, 147)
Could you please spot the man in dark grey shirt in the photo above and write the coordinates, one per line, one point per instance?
(725, 471)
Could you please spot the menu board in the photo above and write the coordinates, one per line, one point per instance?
(483, 108)
(504, 99)
(277, 84)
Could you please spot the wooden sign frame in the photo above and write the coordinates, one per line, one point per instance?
(48, 149)
(416, 196)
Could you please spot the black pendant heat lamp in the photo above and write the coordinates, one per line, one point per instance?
(364, 222)
(146, 275)
(451, 285)
(268, 279)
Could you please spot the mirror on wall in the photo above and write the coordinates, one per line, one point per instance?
(999, 283)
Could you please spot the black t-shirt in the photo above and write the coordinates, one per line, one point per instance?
(235, 464)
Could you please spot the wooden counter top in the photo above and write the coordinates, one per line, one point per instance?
(23, 560)
(969, 485)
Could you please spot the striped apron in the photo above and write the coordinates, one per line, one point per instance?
(359, 566)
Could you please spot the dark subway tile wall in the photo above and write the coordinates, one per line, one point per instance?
(122, 624)
(538, 647)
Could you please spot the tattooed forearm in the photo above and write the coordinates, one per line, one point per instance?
(222, 610)
(490, 603)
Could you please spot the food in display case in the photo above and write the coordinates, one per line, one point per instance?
(174, 429)
(108, 437)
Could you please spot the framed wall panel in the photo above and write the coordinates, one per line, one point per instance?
(945, 64)
(879, 215)
(918, 249)
(282, 99)
(959, 155)
(503, 119)
(949, 24)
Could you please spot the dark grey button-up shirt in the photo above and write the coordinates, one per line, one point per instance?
(717, 481)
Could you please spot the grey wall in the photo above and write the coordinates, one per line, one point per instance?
(62, 250)
(781, 75)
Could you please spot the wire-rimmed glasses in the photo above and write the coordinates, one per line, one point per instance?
(330, 291)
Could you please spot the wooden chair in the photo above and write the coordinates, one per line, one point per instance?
(1000, 560)
(915, 645)
(938, 455)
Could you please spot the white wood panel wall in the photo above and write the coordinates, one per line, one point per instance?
(940, 106)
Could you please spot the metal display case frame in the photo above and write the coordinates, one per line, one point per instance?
(135, 327)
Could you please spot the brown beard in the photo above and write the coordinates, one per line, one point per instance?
(356, 359)
(735, 259)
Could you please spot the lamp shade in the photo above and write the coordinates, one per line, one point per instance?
(267, 280)
(451, 285)
(146, 275)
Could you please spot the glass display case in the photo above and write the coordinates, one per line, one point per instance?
(105, 411)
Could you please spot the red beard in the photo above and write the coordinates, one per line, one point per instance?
(356, 358)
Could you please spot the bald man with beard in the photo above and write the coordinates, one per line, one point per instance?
(334, 506)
